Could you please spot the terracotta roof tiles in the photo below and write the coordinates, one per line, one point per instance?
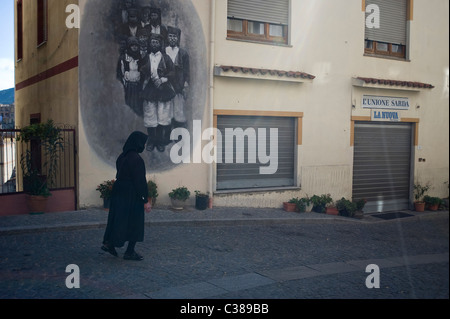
(281, 73)
(412, 84)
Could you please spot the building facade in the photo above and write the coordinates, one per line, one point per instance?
(271, 99)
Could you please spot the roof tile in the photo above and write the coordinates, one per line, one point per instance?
(413, 84)
(295, 74)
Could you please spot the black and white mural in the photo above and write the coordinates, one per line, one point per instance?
(142, 66)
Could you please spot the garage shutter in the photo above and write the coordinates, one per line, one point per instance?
(392, 22)
(235, 175)
(269, 11)
(381, 165)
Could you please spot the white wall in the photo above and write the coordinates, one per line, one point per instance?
(327, 41)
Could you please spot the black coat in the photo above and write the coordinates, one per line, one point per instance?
(150, 92)
(129, 194)
(181, 71)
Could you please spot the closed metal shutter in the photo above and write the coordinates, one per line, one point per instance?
(392, 22)
(381, 165)
(247, 175)
(269, 11)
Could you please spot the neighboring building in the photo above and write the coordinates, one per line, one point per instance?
(7, 149)
(309, 96)
(7, 115)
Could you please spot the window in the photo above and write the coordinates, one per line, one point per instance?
(383, 48)
(19, 30)
(255, 152)
(258, 20)
(385, 31)
(41, 22)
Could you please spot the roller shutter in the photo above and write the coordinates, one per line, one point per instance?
(392, 22)
(269, 11)
(381, 165)
(238, 175)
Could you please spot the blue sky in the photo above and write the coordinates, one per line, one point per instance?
(7, 44)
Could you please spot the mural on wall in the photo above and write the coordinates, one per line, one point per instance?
(142, 67)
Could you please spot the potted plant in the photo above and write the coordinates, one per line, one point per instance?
(152, 192)
(178, 196)
(201, 200)
(39, 162)
(432, 203)
(419, 192)
(105, 189)
(346, 207)
(359, 208)
(321, 202)
(301, 205)
(331, 209)
(291, 205)
(308, 203)
(445, 199)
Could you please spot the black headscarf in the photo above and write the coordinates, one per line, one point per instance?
(135, 142)
(134, 54)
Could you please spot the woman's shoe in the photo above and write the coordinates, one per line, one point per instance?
(132, 256)
(110, 250)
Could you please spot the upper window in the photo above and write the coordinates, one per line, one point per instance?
(19, 22)
(258, 20)
(41, 22)
(385, 28)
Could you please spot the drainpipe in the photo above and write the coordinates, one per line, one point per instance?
(211, 87)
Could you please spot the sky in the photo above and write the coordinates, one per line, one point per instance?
(7, 44)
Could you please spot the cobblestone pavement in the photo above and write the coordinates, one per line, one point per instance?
(253, 260)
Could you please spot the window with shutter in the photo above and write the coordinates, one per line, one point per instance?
(41, 22)
(258, 20)
(255, 152)
(19, 30)
(385, 27)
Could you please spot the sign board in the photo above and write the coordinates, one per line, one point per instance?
(385, 102)
(386, 116)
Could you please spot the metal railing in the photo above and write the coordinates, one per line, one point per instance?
(10, 168)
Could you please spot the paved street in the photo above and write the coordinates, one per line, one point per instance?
(253, 260)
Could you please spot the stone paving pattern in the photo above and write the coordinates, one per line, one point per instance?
(228, 253)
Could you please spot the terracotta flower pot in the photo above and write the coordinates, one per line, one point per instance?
(36, 204)
(433, 207)
(419, 206)
(210, 203)
(106, 203)
(332, 211)
(152, 201)
(289, 207)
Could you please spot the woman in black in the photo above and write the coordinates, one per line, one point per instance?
(128, 74)
(129, 200)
